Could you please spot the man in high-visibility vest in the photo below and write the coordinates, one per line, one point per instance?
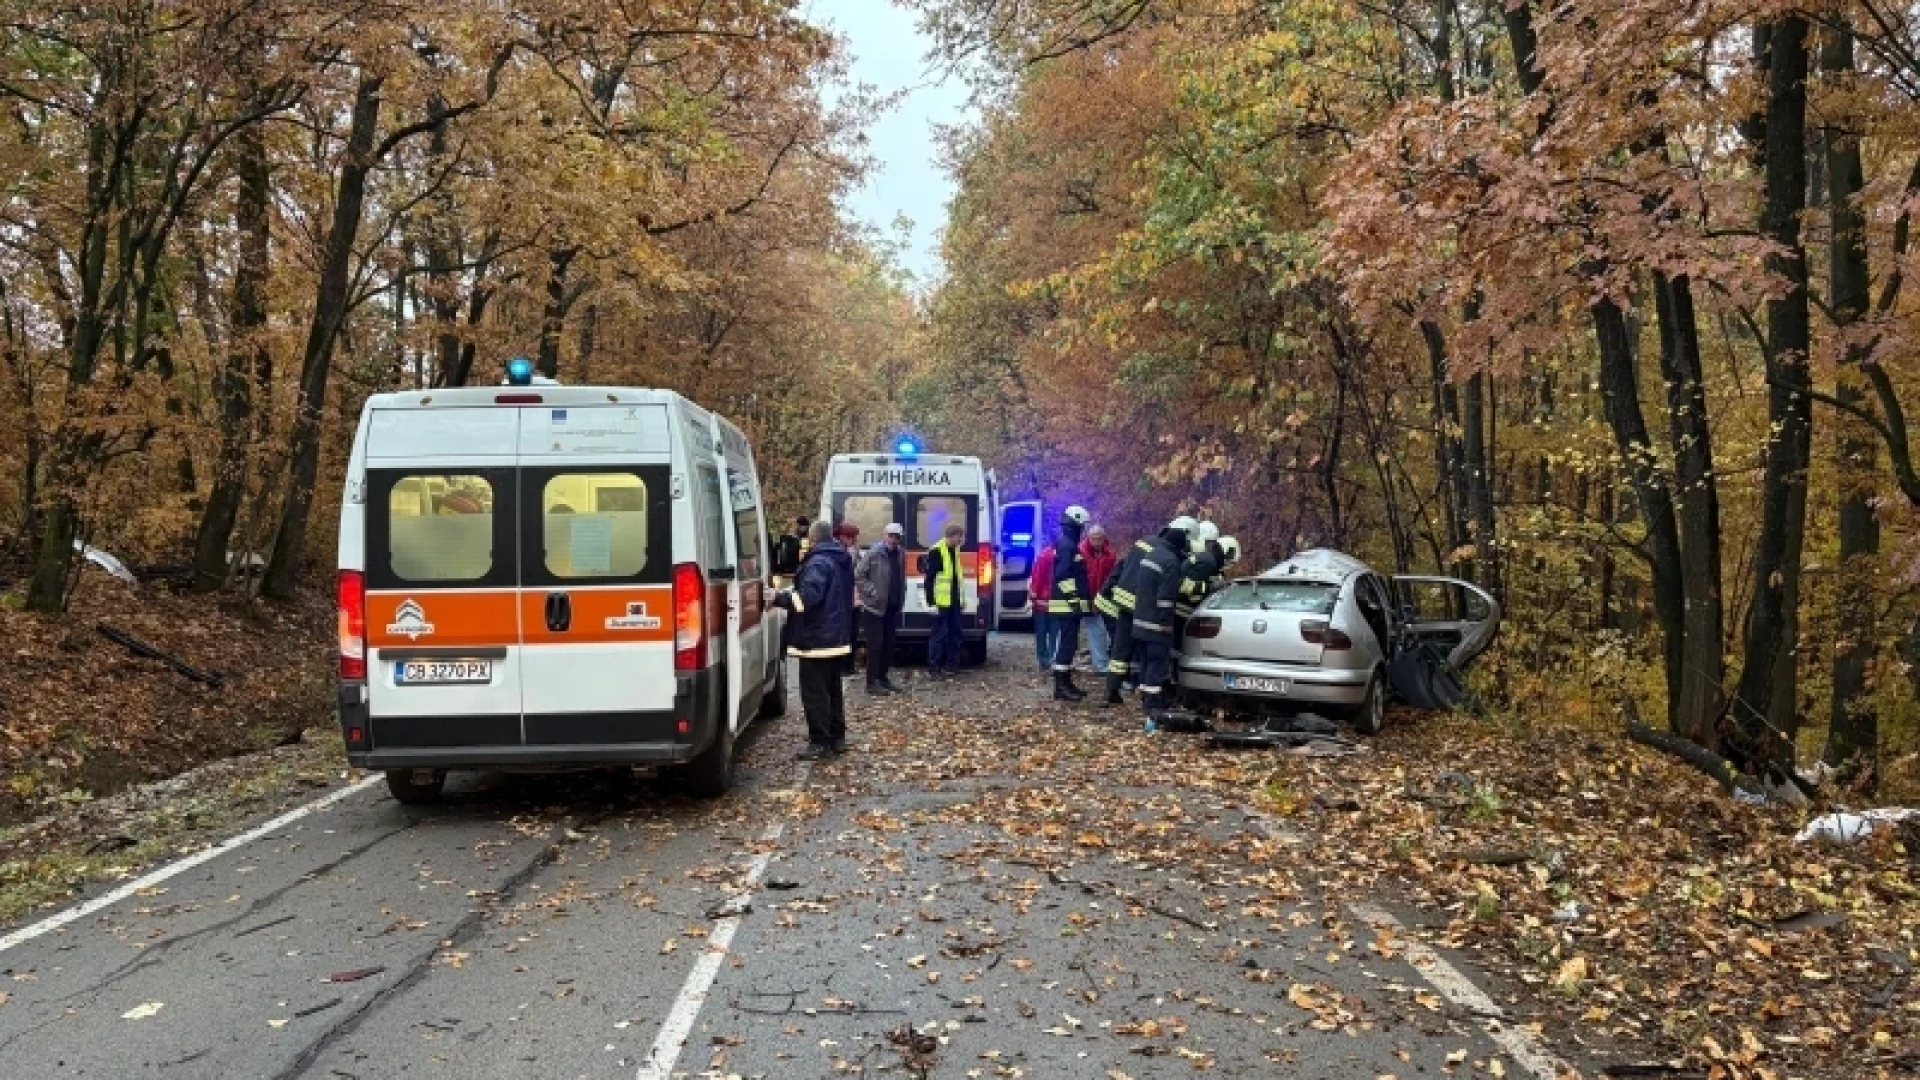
(943, 579)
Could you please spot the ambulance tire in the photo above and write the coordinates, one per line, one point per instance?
(774, 705)
(977, 653)
(710, 775)
(406, 788)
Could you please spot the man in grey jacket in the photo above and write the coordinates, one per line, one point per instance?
(881, 581)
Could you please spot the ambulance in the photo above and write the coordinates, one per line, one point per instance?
(551, 577)
(923, 492)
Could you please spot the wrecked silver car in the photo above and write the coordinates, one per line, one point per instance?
(1325, 632)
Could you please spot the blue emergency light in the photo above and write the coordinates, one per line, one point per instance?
(519, 371)
(906, 447)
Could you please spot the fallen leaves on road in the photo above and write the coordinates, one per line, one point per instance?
(142, 1012)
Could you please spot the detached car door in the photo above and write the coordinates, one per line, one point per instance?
(1458, 616)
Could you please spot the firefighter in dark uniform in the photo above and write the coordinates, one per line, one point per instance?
(1199, 573)
(1116, 603)
(1071, 600)
(1154, 585)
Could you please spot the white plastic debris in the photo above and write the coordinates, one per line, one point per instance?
(106, 562)
(1569, 913)
(1847, 828)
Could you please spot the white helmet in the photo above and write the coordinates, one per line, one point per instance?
(1183, 523)
(1231, 547)
(1206, 531)
(1076, 514)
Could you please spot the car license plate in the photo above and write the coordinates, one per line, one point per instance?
(1259, 684)
(441, 672)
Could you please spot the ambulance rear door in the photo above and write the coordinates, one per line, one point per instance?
(442, 576)
(596, 599)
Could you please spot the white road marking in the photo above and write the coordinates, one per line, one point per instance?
(693, 993)
(1520, 1043)
(174, 869)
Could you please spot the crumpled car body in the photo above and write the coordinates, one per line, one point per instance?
(1322, 631)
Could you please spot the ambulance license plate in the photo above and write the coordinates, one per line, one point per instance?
(1259, 684)
(441, 672)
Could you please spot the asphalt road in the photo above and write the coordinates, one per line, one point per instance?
(881, 916)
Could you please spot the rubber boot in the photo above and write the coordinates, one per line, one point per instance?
(1078, 694)
(1063, 688)
(1113, 692)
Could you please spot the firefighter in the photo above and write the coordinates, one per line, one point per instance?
(1115, 604)
(1154, 587)
(1200, 571)
(1070, 601)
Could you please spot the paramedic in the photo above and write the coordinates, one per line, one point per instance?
(881, 578)
(1071, 600)
(942, 585)
(821, 601)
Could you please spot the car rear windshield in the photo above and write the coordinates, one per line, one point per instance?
(1298, 597)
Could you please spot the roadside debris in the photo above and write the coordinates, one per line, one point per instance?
(1844, 828)
(106, 562)
(140, 648)
(353, 976)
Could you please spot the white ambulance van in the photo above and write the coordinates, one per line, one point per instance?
(923, 492)
(548, 577)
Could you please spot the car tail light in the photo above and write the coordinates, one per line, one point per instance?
(1317, 632)
(517, 399)
(1203, 626)
(983, 570)
(689, 618)
(353, 624)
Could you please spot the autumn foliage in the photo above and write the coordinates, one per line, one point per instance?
(230, 221)
(1598, 302)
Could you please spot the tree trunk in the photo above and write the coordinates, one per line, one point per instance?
(1853, 739)
(553, 321)
(329, 312)
(1449, 458)
(1479, 467)
(233, 388)
(1620, 390)
(1765, 707)
(1703, 674)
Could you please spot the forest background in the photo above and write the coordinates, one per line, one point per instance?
(1599, 303)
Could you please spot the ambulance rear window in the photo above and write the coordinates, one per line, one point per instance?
(594, 525)
(932, 513)
(440, 528)
(871, 513)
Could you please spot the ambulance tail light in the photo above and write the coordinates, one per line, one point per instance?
(689, 618)
(353, 625)
(983, 571)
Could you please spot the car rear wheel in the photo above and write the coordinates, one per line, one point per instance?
(1371, 716)
(711, 774)
(415, 787)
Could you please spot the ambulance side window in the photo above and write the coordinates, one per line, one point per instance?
(746, 526)
(594, 525)
(931, 513)
(439, 528)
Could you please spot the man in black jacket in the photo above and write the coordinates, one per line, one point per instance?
(821, 601)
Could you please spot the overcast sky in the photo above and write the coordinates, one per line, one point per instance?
(890, 55)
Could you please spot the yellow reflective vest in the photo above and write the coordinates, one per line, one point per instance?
(946, 576)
